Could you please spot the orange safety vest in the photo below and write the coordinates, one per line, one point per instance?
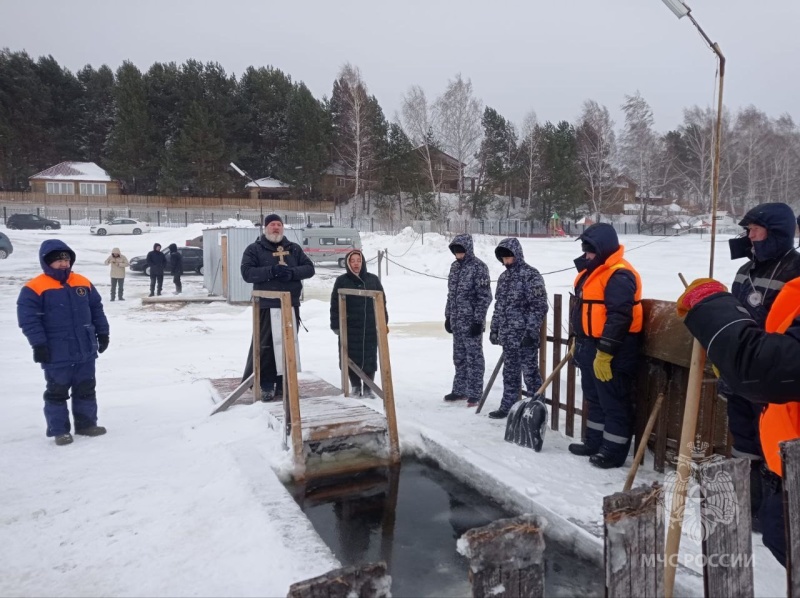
(591, 299)
(780, 423)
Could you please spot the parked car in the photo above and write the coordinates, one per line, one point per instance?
(20, 221)
(6, 248)
(192, 261)
(121, 226)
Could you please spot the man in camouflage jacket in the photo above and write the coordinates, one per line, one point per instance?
(468, 297)
(520, 308)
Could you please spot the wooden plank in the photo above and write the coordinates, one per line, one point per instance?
(365, 379)
(555, 393)
(343, 342)
(727, 533)
(386, 377)
(290, 380)
(256, 348)
(665, 336)
(790, 453)
(633, 542)
(234, 396)
(362, 581)
(506, 558)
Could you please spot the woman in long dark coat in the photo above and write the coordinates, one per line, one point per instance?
(362, 334)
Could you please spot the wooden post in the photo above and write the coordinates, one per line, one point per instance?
(690, 411)
(257, 348)
(490, 383)
(506, 558)
(543, 347)
(231, 398)
(556, 390)
(380, 263)
(292, 395)
(727, 530)
(634, 542)
(386, 377)
(790, 453)
(343, 343)
(570, 423)
(364, 581)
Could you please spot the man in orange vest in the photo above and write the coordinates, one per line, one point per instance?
(606, 318)
(762, 365)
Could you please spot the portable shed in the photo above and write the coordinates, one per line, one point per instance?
(222, 259)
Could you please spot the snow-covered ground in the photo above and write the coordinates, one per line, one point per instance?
(175, 502)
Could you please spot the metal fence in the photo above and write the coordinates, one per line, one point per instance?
(177, 218)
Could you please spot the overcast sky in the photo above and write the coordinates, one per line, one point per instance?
(521, 55)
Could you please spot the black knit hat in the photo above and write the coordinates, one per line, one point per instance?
(272, 218)
(58, 254)
(587, 247)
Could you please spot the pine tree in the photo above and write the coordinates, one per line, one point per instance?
(132, 152)
(95, 112)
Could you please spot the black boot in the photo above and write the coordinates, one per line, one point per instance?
(267, 394)
(606, 461)
(499, 414)
(91, 431)
(583, 450)
(454, 397)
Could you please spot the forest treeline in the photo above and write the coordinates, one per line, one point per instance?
(175, 128)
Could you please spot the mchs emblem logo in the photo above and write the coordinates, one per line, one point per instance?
(81, 291)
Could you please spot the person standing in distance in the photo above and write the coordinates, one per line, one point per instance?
(118, 264)
(156, 262)
(176, 267)
(469, 295)
(61, 314)
(607, 320)
(273, 263)
(520, 308)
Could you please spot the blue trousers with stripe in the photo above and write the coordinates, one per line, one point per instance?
(80, 378)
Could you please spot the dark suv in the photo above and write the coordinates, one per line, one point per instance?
(192, 261)
(20, 221)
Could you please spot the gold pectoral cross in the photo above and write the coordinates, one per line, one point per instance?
(279, 254)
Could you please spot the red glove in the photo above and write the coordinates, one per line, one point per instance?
(696, 292)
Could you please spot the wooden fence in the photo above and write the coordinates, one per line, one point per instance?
(167, 201)
(666, 352)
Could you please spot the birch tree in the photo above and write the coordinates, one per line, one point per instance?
(639, 148)
(352, 131)
(529, 151)
(457, 117)
(419, 126)
(596, 146)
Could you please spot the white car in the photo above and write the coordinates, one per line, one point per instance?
(121, 226)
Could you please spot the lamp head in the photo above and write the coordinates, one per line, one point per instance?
(678, 8)
(237, 169)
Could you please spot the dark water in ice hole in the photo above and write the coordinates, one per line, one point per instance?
(433, 509)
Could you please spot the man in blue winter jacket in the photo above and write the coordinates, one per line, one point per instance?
(61, 314)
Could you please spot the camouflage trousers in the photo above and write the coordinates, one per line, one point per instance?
(470, 365)
(519, 362)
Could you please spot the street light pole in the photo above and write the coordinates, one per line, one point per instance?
(260, 201)
(692, 406)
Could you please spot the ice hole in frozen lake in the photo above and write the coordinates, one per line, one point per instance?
(410, 517)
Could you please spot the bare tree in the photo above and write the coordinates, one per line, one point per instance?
(639, 148)
(419, 126)
(529, 151)
(457, 118)
(354, 136)
(596, 147)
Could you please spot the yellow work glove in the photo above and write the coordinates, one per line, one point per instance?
(602, 366)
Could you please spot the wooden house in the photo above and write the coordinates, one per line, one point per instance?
(74, 178)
